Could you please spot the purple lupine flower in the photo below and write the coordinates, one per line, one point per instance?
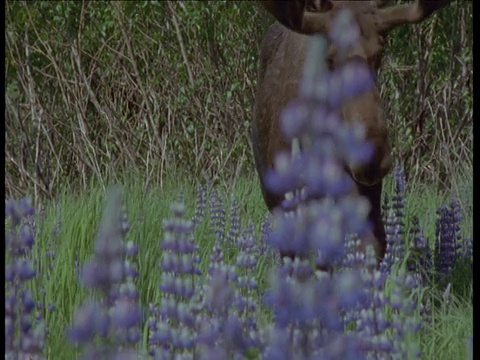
(246, 284)
(200, 206)
(457, 217)
(389, 315)
(352, 145)
(16, 211)
(25, 330)
(266, 254)
(400, 185)
(217, 215)
(105, 270)
(234, 228)
(393, 215)
(89, 319)
(173, 324)
(311, 310)
(318, 171)
(229, 326)
(125, 314)
(386, 208)
(353, 259)
(394, 243)
(445, 237)
(285, 176)
(321, 226)
(219, 295)
(405, 323)
(19, 240)
(222, 331)
(344, 31)
(131, 249)
(117, 315)
(421, 263)
(353, 78)
(291, 228)
(399, 209)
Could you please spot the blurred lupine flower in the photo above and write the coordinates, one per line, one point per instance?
(126, 313)
(105, 270)
(125, 223)
(173, 325)
(310, 311)
(19, 240)
(344, 31)
(16, 211)
(221, 330)
(307, 310)
(25, 330)
(117, 315)
(327, 143)
(89, 320)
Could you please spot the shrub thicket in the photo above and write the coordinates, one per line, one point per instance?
(96, 88)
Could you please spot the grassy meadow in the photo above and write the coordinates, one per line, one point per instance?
(68, 226)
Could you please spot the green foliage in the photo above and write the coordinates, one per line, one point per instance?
(96, 88)
(449, 333)
(427, 90)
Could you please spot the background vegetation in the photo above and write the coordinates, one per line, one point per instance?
(97, 88)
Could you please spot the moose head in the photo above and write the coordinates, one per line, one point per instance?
(281, 65)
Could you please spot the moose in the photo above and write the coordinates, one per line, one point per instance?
(282, 57)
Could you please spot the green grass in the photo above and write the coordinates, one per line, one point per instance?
(451, 329)
(80, 214)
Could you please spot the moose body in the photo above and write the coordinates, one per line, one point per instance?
(282, 57)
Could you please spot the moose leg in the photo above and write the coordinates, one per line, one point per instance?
(289, 254)
(377, 236)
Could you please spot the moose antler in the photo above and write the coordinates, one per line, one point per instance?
(314, 16)
(303, 16)
(393, 16)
